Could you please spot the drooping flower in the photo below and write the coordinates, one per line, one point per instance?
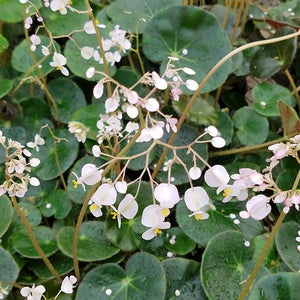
(258, 207)
(79, 130)
(67, 284)
(38, 141)
(33, 293)
(194, 173)
(60, 5)
(58, 62)
(159, 82)
(127, 208)
(153, 217)
(197, 200)
(167, 195)
(217, 176)
(106, 194)
(90, 175)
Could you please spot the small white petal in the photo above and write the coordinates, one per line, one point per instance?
(188, 71)
(96, 150)
(121, 187)
(90, 72)
(132, 111)
(34, 181)
(152, 105)
(192, 85)
(194, 173)
(98, 90)
(218, 142)
(34, 162)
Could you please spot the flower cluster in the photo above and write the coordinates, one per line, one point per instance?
(17, 169)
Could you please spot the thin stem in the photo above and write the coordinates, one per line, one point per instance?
(261, 257)
(244, 17)
(100, 45)
(207, 77)
(87, 199)
(236, 25)
(292, 83)
(34, 241)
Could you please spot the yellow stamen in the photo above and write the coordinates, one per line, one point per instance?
(114, 214)
(58, 68)
(165, 212)
(75, 183)
(94, 206)
(227, 191)
(97, 22)
(198, 216)
(157, 231)
(70, 2)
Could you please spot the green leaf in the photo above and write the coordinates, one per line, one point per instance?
(225, 126)
(92, 243)
(270, 59)
(286, 178)
(68, 98)
(21, 59)
(5, 86)
(183, 275)
(6, 213)
(201, 111)
(45, 237)
(89, 116)
(9, 269)
(3, 45)
(59, 24)
(57, 204)
(31, 212)
(144, 279)
(266, 96)
(134, 15)
(188, 27)
(61, 263)
(252, 128)
(286, 244)
(12, 12)
(277, 286)
(67, 149)
(203, 230)
(185, 136)
(178, 242)
(226, 262)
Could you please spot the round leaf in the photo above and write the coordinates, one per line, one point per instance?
(252, 128)
(144, 279)
(68, 98)
(92, 243)
(31, 212)
(44, 236)
(6, 213)
(226, 262)
(9, 269)
(183, 275)
(133, 15)
(57, 204)
(286, 245)
(225, 126)
(67, 149)
(188, 27)
(202, 230)
(266, 96)
(277, 286)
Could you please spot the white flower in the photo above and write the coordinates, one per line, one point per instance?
(154, 216)
(132, 96)
(89, 27)
(212, 131)
(87, 52)
(152, 105)
(218, 142)
(27, 22)
(90, 175)
(34, 293)
(192, 85)
(90, 72)
(197, 200)
(96, 150)
(45, 51)
(34, 162)
(106, 194)
(23, 1)
(112, 104)
(98, 88)
(194, 173)
(58, 62)
(159, 82)
(121, 187)
(167, 195)
(128, 208)
(156, 132)
(188, 71)
(217, 176)
(67, 284)
(132, 126)
(258, 207)
(37, 141)
(60, 5)
(34, 181)
(79, 130)
(132, 111)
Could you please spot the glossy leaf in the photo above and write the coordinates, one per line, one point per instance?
(143, 279)
(6, 213)
(5, 87)
(188, 27)
(92, 243)
(289, 119)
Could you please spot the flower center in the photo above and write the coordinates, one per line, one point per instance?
(114, 214)
(75, 183)
(227, 192)
(157, 231)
